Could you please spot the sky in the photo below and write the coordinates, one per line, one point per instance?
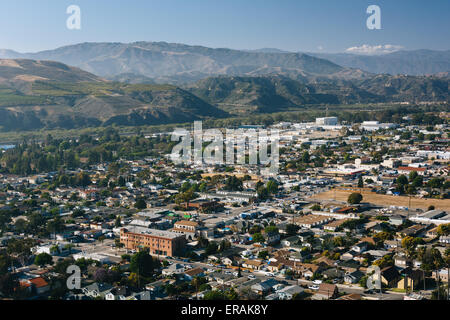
(292, 25)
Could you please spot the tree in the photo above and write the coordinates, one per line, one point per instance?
(291, 229)
(402, 180)
(384, 262)
(211, 248)
(121, 181)
(140, 204)
(355, 198)
(360, 182)
(8, 283)
(233, 183)
(272, 187)
(271, 230)
(118, 222)
(443, 229)
(409, 244)
(142, 264)
(432, 261)
(263, 193)
(413, 175)
(214, 295)
(257, 237)
(305, 157)
(43, 259)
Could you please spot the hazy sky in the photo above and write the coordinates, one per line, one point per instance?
(294, 25)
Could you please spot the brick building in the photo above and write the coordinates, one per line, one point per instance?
(159, 242)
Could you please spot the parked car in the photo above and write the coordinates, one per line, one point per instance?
(313, 287)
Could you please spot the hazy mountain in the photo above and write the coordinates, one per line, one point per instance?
(418, 62)
(46, 94)
(268, 50)
(179, 63)
(132, 78)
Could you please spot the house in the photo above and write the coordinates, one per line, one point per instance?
(349, 255)
(396, 220)
(264, 287)
(192, 273)
(39, 285)
(326, 291)
(325, 261)
(402, 261)
(349, 265)
(157, 287)
(252, 264)
(390, 277)
(117, 293)
(390, 244)
(96, 290)
(175, 268)
(272, 238)
(219, 277)
(333, 273)
(353, 277)
(289, 241)
(144, 295)
(275, 267)
(307, 270)
(412, 231)
(412, 278)
(287, 293)
(360, 247)
(305, 234)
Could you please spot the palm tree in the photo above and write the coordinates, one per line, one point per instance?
(432, 261)
(447, 263)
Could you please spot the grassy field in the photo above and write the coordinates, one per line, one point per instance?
(386, 200)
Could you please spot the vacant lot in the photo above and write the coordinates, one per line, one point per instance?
(386, 200)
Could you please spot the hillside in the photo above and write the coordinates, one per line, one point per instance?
(44, 94)
(278, 93)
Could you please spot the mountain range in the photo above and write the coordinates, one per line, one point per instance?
(150, 83)
(416, 62)
(162, 62)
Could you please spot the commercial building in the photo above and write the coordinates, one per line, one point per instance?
(327, 121)
(188, 228)
(159, 242)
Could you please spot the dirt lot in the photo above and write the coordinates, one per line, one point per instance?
(386, 200)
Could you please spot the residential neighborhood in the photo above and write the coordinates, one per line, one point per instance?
(348, 199)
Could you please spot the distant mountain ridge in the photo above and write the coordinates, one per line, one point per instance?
(178, 63)
(417, 62)
(174, 63)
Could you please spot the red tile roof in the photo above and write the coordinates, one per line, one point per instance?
(39, 282)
